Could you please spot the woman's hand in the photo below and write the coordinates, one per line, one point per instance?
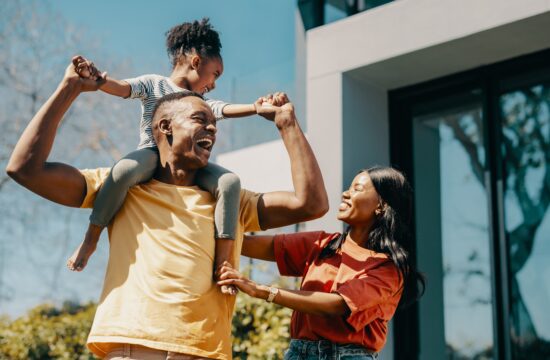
(230, 276)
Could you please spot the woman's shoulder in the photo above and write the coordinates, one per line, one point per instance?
(323, 238)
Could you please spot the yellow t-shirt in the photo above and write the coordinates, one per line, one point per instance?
(158, 290)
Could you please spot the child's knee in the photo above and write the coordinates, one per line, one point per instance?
(125, 172)
(229, 183)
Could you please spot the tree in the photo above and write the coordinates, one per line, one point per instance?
(36, 237)
(526, 152)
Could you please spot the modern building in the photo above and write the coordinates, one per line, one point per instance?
(456, 94)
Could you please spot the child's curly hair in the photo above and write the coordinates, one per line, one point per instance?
(199, 36)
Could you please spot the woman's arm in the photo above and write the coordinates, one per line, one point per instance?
(259, 247)
(309, 302)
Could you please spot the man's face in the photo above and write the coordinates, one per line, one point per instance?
(193, 128)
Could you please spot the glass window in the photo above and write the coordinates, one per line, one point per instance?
(525, 121)
(452, 228)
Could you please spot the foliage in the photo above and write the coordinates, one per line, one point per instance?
(47, 332)
(260, 331)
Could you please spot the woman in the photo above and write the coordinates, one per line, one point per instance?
(352, 282)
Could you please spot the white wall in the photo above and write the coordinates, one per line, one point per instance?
(365, 127)
(324, 123)
(262, 168)
(410, 26)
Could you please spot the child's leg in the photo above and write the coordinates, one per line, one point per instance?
(134, 168)
(226, 187)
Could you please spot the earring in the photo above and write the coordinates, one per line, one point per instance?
(377, 212)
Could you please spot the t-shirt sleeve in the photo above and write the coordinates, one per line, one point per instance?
(94, 179)
(217, 107)
(364, 294)
(292, 251)
(141, 86)
(249, 211)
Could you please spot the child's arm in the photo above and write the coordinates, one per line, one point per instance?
(241, 110)
(87, 69)
(238, 110)
(116, 87)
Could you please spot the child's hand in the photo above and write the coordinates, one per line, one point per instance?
(266, 103)
(83, 84)
(86, 69)
(270, 105)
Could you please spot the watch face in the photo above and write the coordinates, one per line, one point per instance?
(273, 291)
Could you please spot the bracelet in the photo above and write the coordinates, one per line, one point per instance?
(273, 291)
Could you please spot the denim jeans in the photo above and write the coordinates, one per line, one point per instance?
(326, 350)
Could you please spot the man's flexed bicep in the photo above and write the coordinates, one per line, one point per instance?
(309, 199)
(28, 164)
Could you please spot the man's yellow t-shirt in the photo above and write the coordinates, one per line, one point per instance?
(158, 290)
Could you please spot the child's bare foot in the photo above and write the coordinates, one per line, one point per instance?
(79, 259)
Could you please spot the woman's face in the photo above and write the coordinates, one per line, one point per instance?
(359, 202)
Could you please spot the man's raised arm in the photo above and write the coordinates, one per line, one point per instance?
(309, 199)
(57, 182)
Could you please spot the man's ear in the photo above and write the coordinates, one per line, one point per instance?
(165, 127)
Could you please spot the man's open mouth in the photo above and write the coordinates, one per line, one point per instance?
(205, 143)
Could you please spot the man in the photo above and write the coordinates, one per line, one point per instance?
(158, 297)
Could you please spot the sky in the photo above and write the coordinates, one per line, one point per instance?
(257, 39)
(258, 50)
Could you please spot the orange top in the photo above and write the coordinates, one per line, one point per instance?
(368, 281)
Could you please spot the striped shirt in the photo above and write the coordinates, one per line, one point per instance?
(150, 88)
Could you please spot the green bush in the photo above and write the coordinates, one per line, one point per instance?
(260, 331)
(47, 332)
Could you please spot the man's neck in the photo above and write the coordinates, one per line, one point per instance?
(170, 174)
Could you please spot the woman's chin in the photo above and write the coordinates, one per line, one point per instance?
(342, 216)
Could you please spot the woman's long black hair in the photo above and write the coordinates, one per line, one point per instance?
(390, 233)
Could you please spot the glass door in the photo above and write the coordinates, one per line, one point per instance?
(453, 227)
(524, 106)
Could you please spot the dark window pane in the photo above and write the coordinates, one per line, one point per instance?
(526, 149)
(452, 228)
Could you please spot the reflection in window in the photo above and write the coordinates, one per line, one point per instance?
(526, 150)
(453, 230)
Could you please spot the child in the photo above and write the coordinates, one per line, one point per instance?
(194, 50)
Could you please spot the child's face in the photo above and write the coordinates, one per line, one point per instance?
(207, 72)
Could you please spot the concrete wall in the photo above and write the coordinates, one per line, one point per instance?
(325, 130)
(365, 127)
(470, 33)
(262, 168)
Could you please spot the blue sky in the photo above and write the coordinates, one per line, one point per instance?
(258, 51)
(254, 33)
(257, 46)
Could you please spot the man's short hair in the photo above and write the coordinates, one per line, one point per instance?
(173, 97)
